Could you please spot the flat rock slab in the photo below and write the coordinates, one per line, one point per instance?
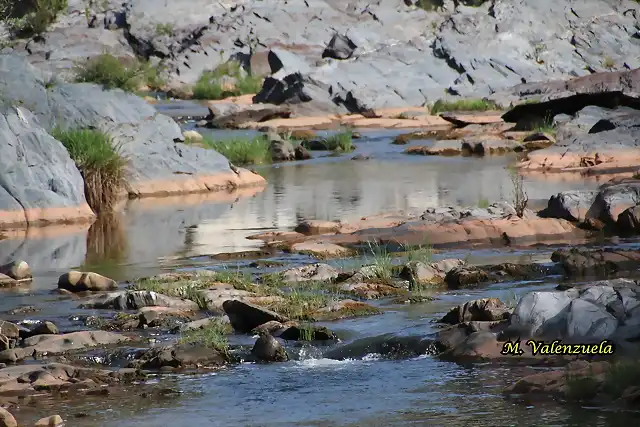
(233, 115)
(320, 249)
(134, 300)
(18, 380)
(465, 119)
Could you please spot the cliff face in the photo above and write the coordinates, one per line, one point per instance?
(398, 54)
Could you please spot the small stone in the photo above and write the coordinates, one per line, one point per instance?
(17, 270)
(77, 281)
(52, 421)
(6, 419)
(192, 136)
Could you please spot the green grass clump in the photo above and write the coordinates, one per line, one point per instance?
(483, 203)
(582, 389)
(620, 377)
(115, 73)
(164, 29)
(35, 21)
(464, 105)
(300, 305)
(100, 163)
(213, 336)
(340, 143)
(242, 151)
(210, 85)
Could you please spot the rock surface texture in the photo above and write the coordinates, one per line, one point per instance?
(356, 54)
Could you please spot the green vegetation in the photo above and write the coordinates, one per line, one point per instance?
(340, 143)
(242, 151)
(213, 336)
(381, 262)
(430, 5)
(300, 305)
(100, 163)
(483, 203)
(620, 377)
(112, 72)
(582, 389)
(464, 105)
(164, 29)
(33, 18)
(211, 84)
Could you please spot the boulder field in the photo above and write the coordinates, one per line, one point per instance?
(40, 184)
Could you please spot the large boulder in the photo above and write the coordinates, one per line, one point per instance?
(39, 183)
(159, 163)
(603, 310)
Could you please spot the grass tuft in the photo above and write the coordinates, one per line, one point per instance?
(115, 73)
(100, 163)
(35, 21)
(213, 336)
(211, 84)
(242, 151)
(340, 142)
(464, 105)
(301, 305)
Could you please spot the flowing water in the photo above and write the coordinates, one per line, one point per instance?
(348, 384)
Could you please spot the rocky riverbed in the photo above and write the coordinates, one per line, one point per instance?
(414, 192)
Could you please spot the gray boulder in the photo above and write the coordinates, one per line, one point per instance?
(603, 310)
(339, 47)
(570, 205)
(629, 220)
(268, 349)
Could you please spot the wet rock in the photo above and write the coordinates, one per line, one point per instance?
(569, 205)
(268, 349)
(307, 333)
(451, 337)
(444, 147)
(76, 281)
(465, 119)
(600, 262)
(232, 116)
(162, 317)
(486, 146)
(339, 47)
(432, 273)
(372, 288)
(135, 300)
(187, 355)
(361, 157)
(629, 221)
(51, 421)
(476, 345)
(6, 419)
(56, 344)
(244, 317)
(17, 270)
(482, 310)
(202, 323)
(312, 272)
(603, 310)
(553, 384)
(37, 379)
(44, 328)
(461, 277)
(301, 153)
(281, 150)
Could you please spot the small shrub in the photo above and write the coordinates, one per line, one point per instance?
(582, 389)
(242, 151)
(210, 85)
(112, 72)
(34, 22)
(620, 377)
(464, 105)
(483, 203)
(99, 162)
(430, 5)
(299, 305)
(518, 194)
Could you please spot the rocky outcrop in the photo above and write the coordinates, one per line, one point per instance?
(49, 188)
(468, 51)
(185, 355)
(134, 300)
(483, 310)
(245, 317)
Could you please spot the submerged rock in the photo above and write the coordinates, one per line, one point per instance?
(179, 356)
(429, 273)
(268, 349)
(461, 277)
(77, 281)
